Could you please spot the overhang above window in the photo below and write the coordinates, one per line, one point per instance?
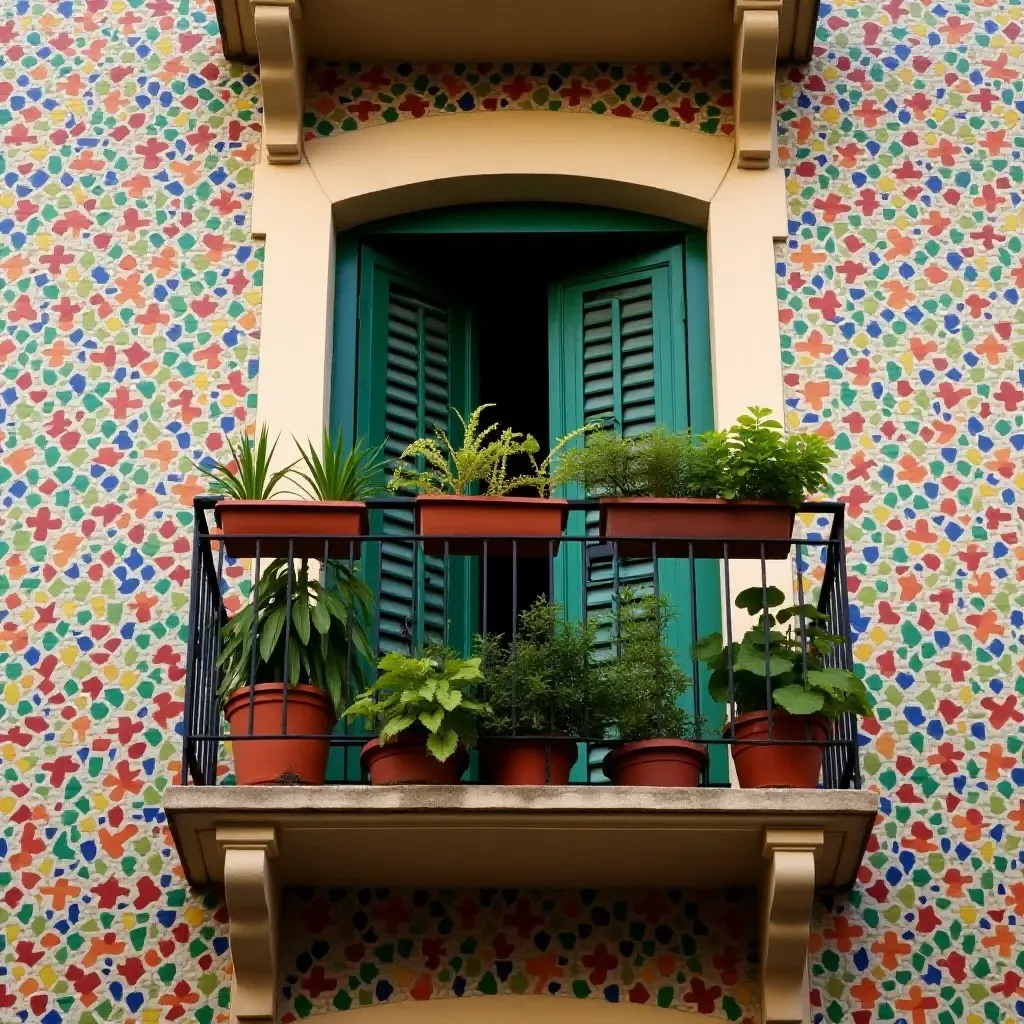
(754, 35)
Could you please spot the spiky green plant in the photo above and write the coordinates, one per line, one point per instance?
(247, 476)
(433, 465)
(334, 474)
(327, 637)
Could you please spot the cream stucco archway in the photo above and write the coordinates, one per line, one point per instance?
(507, 156)
(527, 1009)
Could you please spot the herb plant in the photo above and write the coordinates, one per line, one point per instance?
(327, 641)
(764, 462)
(658, 464)
(784, 653)
(332, 474)
(550, 676)
(434, 692)
(436, 466)
(247, 475)
(754, 459)
(645, 678)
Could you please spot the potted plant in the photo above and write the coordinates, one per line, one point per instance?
(741, 486)
(545, 692)
(784, 654)
(334, 485)
(658, 748)
(284, 676)
(426, 717)
(444, 476)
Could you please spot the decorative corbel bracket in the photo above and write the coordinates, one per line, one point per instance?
(787, 896)
(755, 49)
(252, 895)
(282, 77)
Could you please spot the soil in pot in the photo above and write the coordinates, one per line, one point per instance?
(659, 762)
(674, 522)
(778, 764)
(527, 760)
(405, 760)
(470, 519)
(306, 522)
(285, 760)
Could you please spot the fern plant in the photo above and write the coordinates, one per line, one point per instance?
(433, 692)
(332, 474)
(247, 476)
(434, 465)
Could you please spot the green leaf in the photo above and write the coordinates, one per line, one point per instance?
(449, 700)
(798, 701)
(707, 647)
(432, 719)
(832, 679)
(321, 617)
(270, 633)
(754, 662)
(300, 616)
(443, 744)
(396, 725)
(754, 599)
(806, 611)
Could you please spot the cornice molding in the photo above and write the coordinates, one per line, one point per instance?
(282, 77)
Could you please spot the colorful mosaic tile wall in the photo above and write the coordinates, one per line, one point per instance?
(129, 313)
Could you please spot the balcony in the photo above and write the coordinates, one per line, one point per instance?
(448, 591)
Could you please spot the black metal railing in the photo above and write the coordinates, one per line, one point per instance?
(410, 578)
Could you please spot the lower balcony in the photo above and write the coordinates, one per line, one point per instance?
(629, 614)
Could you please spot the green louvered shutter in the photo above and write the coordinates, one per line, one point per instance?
(644, 363)
(414, 365)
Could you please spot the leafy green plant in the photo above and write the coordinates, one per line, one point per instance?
(436, 466)
(247, 476)
(784, 652)
(550, 675)
(327, 640)
(764, 462)
(658, 464)
(646, 680)
(332, 474)
(754, 459)
(433, 691)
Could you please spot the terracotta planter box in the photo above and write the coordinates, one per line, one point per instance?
(405, 760)
(661, 762)
(528, 760)
(785, 762)
(674, 522)
(468, 520)
(285, 760)
(308, 522)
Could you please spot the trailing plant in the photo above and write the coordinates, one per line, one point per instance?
(325, 643)
(549, 681)
(645, 677)
(434, 691)
(658, 464)
(247, 476)
(764, 462)
(785, 653)
(753, 459)
(334, 474)
(435, 466)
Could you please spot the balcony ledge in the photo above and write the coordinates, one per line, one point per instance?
(254, 840)
(543, 837)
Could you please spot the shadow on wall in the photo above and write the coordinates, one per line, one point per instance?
(342, 949)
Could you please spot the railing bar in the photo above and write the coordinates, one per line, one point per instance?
(515, 633)
(694, 663)
(445, 579)
(346, 683)
(728, 643)
(190, 651)
(288, 598)
(254, 638)
(767, 644)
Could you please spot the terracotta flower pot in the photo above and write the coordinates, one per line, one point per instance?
(405, 760)
(308, 522)
(778, 764)
(674, 522)
(528, 760)
(284, 760)
(472, 519)
(658, 762)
